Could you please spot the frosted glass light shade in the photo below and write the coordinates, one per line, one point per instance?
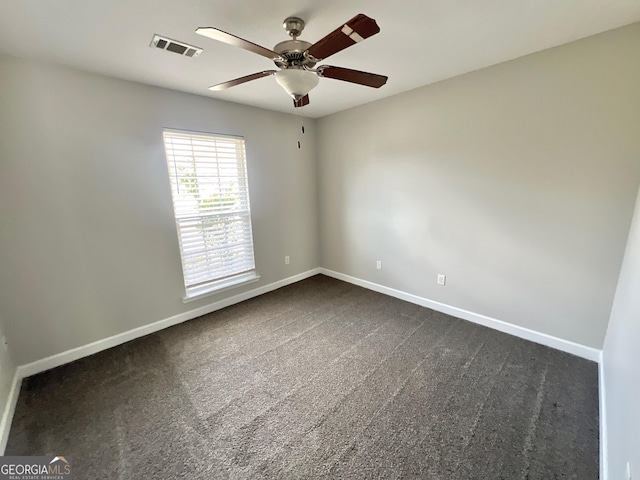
(297, 82)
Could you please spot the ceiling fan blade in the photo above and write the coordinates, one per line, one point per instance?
(229, 39)
(241, 80)
(352, 32)
(301, 102)
(353, 76)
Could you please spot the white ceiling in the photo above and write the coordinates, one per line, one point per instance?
(421, 41)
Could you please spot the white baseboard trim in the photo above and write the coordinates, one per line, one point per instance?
(100, 345)
(9, 410)
(53, 361)
(583, 351)
(604, 448)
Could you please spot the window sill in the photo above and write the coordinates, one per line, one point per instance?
(219, 287)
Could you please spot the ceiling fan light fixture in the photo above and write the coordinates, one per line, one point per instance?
(297, 82)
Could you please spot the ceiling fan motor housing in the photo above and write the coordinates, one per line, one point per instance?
(293, 53)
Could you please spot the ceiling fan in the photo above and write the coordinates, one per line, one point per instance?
(296, 59)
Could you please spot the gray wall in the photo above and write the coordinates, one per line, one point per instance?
(7, 372)
(88, 245)
(516, 181)
(621, 357)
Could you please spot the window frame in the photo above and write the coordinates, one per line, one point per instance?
(215, 219)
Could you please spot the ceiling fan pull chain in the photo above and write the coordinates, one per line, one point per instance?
(298, 120)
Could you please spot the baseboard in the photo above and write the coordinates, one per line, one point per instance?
(9, 410)
(100, 345)
(604, 449)
(583, 351)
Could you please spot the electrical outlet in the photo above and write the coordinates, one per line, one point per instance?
(442, 279)
(628, 477)
(287, 260)
(379, 264)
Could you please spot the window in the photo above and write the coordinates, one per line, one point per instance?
(210, 192)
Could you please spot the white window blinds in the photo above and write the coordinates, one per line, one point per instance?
(211, 203)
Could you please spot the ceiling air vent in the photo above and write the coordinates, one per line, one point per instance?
(184, 49)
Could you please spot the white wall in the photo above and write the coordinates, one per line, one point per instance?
(516, 181)
(88, 246)
(621, 357)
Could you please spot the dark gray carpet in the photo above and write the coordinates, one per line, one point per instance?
(318, 379)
